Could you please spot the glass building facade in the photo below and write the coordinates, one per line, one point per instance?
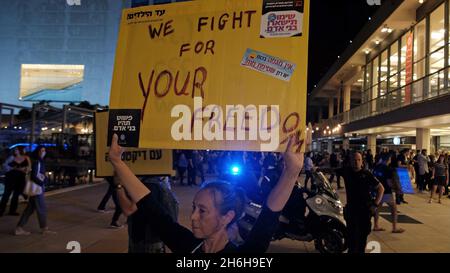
(406, 72)
(61, 32)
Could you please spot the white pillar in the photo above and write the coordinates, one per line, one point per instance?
(423, 139)
(347, 97)
(372, 143)
(330, 107)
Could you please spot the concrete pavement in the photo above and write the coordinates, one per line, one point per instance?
(73, 215)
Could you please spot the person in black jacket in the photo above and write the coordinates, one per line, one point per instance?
(360, 184)
(36, 202)
(216, 207)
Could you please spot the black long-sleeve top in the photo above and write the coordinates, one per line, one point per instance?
(181, 240)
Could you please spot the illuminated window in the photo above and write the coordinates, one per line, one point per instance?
(51, 82)
(393, 66)
(419, 50)
(437, 29)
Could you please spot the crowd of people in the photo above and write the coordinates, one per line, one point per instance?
(370, 181)
(428, 171)
(21, 173)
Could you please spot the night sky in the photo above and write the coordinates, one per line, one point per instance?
(333, 23)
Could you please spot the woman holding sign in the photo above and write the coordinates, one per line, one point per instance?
(215, 208)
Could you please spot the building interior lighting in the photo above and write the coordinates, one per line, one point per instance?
(437, 35)
(386, 29)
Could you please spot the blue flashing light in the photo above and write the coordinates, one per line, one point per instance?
(235, 170)
(34, 145)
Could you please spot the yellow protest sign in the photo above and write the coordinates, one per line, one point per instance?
(223, 74)
(140, 161)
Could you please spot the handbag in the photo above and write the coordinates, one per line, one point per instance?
(31, 188)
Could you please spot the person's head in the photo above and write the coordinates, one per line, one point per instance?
(369, 152)
(441, 158)
(215, 207)
(18, 151)
(386, 159)
(432, 158)
(356, 161)
(424, 151)
(39, 152)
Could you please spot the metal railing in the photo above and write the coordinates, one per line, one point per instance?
(425, 88)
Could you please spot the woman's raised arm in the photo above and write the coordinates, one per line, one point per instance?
(293, 163)
(135, 188)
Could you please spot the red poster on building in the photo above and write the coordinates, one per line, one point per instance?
(409, 67)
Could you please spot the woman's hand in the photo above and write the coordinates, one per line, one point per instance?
(293, 162)
(115, 151)
(124, 175)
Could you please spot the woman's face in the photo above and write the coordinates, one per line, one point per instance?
(42, 153)
(205, 218)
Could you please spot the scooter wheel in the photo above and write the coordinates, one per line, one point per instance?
(330, 241)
